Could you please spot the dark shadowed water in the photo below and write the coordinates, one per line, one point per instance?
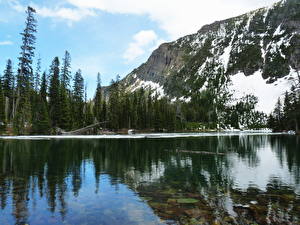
(151, 181)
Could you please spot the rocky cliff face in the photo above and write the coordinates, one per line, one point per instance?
(264, 42)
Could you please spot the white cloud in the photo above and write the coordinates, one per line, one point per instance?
(6, 43)
(143, 41)
(69, 14)
(15, 4)
(58, 12)
(176, 17)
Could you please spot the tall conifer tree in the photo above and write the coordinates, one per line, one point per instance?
(2, 105)
(65, 110)
(25, 72)
(65, 94)
(114, 105)
(37, 76)
(41, 122)
(8, 90)
(54, 93)
(98, 100)
(43, 91)
(8, 79)
(78, 100)
(66, 71)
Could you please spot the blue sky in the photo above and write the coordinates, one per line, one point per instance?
(108, 36)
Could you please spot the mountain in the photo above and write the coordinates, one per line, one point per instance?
(255, 53)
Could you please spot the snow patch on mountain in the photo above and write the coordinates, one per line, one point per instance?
(150, 85)
(184, 99)
(278, 31)
(263, 51)
(226, 55)
(266, 14)
(267, 94)
(199, 41)
(250, 18)
(275, 47)
(203, 66)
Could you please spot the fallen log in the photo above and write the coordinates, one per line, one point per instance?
(84, 129)
(200, 152)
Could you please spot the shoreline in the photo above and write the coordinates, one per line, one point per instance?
(142, 136)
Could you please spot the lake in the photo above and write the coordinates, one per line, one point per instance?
(210, 179)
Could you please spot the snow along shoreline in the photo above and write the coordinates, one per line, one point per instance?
(143, 136)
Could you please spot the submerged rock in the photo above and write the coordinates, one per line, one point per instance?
(187, 200)
(158, 205)
(254, 202)
(196, 213)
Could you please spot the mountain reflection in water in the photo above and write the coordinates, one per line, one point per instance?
(148, 181)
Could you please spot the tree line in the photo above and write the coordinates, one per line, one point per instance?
(286, 115)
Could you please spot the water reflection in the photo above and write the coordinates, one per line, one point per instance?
(110, 181)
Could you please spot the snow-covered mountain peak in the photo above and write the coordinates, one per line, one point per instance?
(262, 46)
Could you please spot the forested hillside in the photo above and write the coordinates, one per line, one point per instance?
(257, 53)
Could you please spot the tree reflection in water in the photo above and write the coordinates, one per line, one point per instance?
(39, 173)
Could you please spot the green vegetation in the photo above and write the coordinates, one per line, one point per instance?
(286, 115)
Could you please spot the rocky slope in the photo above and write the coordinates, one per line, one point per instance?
(258, 52)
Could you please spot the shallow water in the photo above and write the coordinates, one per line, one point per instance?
(145, 136)
(151, 181)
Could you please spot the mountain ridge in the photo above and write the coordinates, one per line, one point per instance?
(266, 40)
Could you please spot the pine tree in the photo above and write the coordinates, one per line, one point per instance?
(35, 97)
(126, 109)
(88, 114)
(65, 93)
(134, 111)
(86, 108)
(8, 90)
(8, 79)
(122, 107)
(278, 115)
(25, 73)
(294, 113)
(158, 120)
(41, 122)
(25, 60)
(66, 71)
(78, 100)
(141, 110)
(149, 123)
(287, 107)
(37, 76)
(103, 115)
(54, 93)
(271, 121)
(114, 106)
(2, 105)
(43, 91)
(65, 111)
(170, 117)
(98, 100)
